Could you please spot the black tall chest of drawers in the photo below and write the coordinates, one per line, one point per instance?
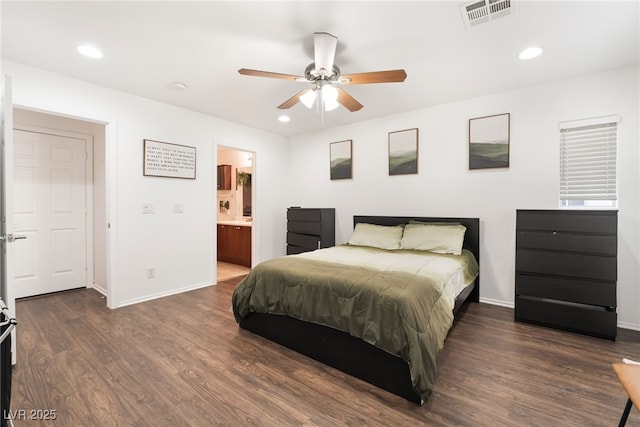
(310, 229)
(566, 270)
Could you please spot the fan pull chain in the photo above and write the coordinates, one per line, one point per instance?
(319, 102)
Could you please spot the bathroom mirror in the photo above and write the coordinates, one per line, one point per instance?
(244, 181)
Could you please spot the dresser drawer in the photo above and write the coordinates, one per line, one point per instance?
(304, 227)
(566, 264)
(599, 222)
(310, 242)
(307, 215)
(570, 317)
(573, 290)
(563, 241)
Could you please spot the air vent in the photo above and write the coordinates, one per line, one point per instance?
(482, 11)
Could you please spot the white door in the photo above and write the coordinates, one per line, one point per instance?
(49, 208)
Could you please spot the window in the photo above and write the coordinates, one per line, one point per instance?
(588, 158)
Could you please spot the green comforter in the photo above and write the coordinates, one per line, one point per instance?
(402, 313)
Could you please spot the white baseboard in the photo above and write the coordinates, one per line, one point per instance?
(99, 288)
(626, 325)
(497, 302)
(163, 294)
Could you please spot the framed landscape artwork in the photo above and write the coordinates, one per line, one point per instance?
(340, 159)
(403, 152)
(489, 142)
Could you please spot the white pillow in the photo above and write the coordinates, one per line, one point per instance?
(377, 236)
(441, 239)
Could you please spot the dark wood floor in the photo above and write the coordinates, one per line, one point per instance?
(182, 361)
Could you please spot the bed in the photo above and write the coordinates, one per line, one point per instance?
(339, 328)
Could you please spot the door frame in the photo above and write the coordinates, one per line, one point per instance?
(255, 226)
(110, 171)
(88, 183)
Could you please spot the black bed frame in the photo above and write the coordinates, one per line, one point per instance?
(350, 354)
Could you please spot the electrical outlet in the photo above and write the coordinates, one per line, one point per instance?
(151, 272)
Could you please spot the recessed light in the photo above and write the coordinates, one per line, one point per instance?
(179, 86)
(284, 119)
(530, 52)
(90, 51)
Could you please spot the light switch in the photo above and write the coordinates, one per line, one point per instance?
(178, 208)
(148, 208)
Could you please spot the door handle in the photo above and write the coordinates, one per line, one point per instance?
(13, 237)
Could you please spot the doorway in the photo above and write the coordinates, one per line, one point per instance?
(235, 204)
(59, 204)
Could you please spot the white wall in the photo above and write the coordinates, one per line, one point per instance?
(445, 186)
(181, 247)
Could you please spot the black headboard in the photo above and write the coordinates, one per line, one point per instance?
(471, 236)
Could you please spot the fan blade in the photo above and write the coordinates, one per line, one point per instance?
(258, 73)
(293, 100)
(349, 102)
(324, 48)
(391, 76)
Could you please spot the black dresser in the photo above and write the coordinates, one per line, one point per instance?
(310, 229)
(566, 270)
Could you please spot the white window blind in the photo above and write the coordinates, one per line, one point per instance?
(588, 159)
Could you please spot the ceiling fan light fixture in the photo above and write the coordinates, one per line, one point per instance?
(330, 98)
(330, 105)
(308, 98)
(324, 75)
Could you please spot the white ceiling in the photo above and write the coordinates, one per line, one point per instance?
(148, 45)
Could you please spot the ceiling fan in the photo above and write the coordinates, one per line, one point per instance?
(326, 79)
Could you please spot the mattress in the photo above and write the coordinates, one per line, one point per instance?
(454, 272)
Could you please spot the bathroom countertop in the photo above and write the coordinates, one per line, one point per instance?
(241, 223)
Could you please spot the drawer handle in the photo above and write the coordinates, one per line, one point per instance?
(554, 232)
